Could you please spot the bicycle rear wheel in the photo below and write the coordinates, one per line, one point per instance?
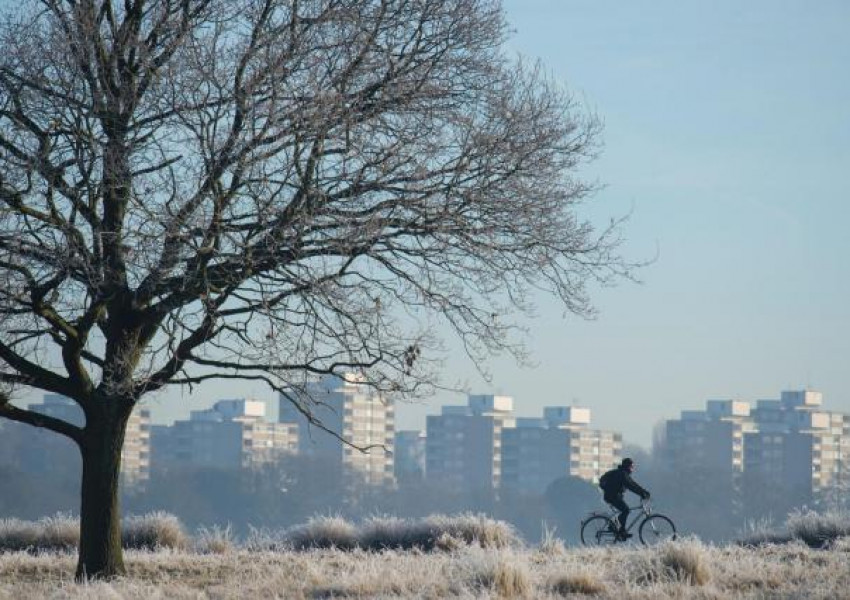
(598, 531)
(656, 529)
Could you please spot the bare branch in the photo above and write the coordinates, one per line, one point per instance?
(35, 419)
(280, 189)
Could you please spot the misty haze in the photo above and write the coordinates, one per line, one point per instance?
(423, 298)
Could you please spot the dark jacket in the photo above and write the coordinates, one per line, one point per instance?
(617, 481)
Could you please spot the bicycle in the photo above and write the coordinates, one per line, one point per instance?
(600, 528)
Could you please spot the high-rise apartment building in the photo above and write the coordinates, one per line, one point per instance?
(464, 443)
(712, 439)
(355, 413)
(540, 450)
(409, 456)
(798, 448)
(136, 452)
(791, 446)
(231, 434)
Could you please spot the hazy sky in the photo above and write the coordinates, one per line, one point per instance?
(727, 126)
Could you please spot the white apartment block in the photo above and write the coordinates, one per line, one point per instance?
(791, 444)
(232, 434)
(464, 443)
(711, 439)
(356, 413)
(799, 445)
(136, 453)
(540, 450)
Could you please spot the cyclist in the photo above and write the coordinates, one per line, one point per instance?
(614, 483)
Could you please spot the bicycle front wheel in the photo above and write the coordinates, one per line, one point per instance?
(656, 529)
(598, 531)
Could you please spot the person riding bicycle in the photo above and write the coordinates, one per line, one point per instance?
(614, 483)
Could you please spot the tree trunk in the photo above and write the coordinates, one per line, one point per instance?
(101, 555)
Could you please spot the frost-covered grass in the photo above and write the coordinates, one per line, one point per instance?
(59, 532)
(62, 532)
(377, 533)
(463, 556)
(160, 530)
(818, 529)
(682, 569)
(812, 528)
(153, 531)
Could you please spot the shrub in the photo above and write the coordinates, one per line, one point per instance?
(380, 533)
(761, 533)
(447, 543)
(58, 533)
(153, 531)
(323, 532)
(17, 535)
(818, 529)
(437, 532)
(62, 533)
(474, 529)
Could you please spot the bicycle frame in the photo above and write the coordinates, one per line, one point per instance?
(641, 511)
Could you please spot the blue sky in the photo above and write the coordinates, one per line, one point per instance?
(727, 126)
(726, 133)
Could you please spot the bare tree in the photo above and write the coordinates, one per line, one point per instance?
(263, 189)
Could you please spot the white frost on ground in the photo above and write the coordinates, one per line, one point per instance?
(684, 569)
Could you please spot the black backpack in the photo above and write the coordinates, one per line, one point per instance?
(607, 480)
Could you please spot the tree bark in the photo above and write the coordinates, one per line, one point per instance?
(101, 555)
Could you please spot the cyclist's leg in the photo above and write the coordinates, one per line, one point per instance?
(620, 504)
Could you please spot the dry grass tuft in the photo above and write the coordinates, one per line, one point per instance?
(323, 532)
(215, 540)
(580, 583)
(153, 531)
(686, 562)
(505, 578)
(841, 545)
(474, 529)
(383, 533)
(672, 562)
(263, 539)
(59, 533)
(550, 544)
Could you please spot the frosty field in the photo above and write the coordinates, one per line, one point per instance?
(686, 569)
